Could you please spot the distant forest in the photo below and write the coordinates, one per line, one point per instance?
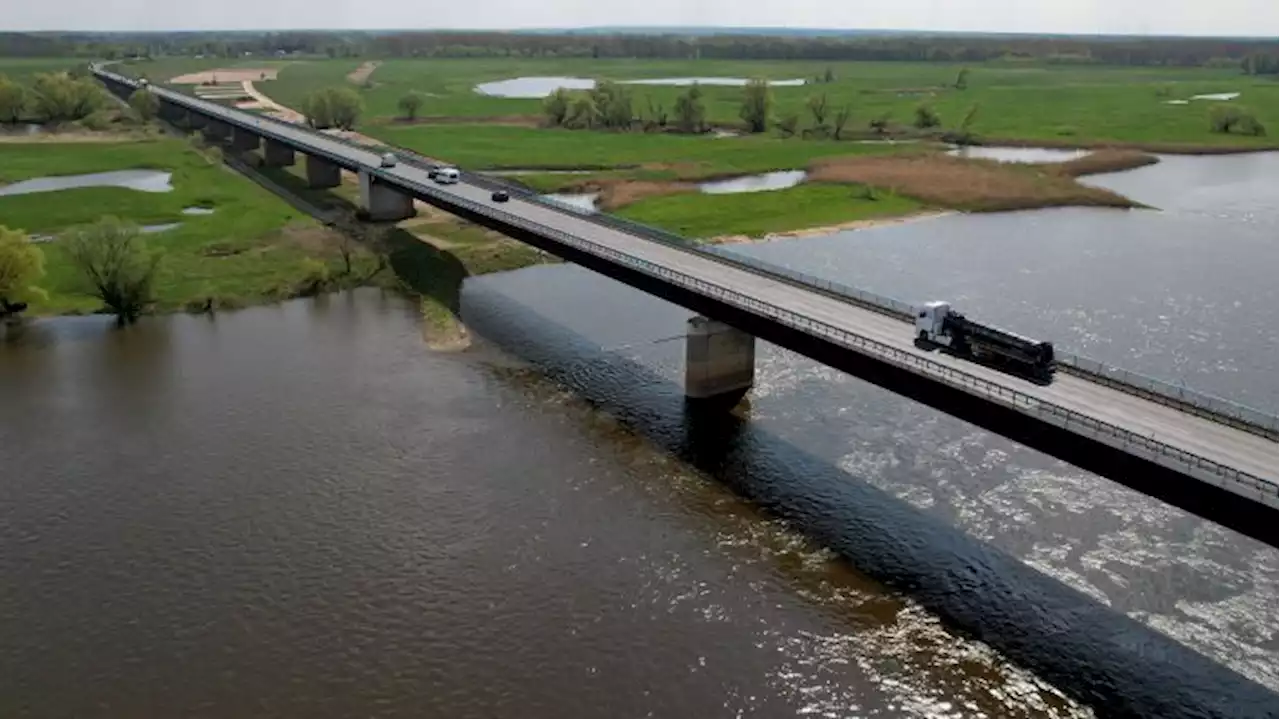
(1255, 56)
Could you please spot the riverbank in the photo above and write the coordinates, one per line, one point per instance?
(224, 241)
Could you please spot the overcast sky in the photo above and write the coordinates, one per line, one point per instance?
(1180, 17)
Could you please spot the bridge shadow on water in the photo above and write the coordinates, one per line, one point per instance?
(1117, 665)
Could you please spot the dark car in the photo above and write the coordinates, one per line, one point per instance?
(500, 196)
(432, 169)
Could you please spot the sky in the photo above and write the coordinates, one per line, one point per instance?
(1156, 17)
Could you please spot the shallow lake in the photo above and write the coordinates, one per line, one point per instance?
(1019, 154)
(779, 180)
(142, 180)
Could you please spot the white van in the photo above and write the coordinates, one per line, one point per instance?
(447, 176)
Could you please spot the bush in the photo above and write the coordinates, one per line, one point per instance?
(410, 104)
(926, 117)
(21, 266)
(556, 106)
(1228, 119)
(145, 104)
(13, 100)
(58, 97)
(114, 266)
(338, 107)
(757, 105)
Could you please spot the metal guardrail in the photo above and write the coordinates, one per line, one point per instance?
(1226, 477)
(1212, 408)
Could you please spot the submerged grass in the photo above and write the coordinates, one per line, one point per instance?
(967, 184)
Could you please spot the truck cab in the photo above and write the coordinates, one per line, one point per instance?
(931, 323)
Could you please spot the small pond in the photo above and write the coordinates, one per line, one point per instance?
(1217, 96)
(754, 183)
(584, 202)
(539, 87)
(197, 210)
(143, 180)
(1019, 154)
(144, 229)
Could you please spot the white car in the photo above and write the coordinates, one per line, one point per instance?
(447, 176)
(389, 160)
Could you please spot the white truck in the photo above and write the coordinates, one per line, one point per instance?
(938, 326)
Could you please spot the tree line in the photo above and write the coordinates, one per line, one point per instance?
(613, 106)
(50, 98)
(1252, 55)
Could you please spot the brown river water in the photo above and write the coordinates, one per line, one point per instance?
(303, 511)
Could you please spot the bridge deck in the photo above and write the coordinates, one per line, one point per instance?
(1233, 448)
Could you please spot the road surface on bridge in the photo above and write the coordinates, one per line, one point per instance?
(1233, 449)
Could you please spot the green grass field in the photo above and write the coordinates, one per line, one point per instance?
(498, 146)
(1062, 103)
(250, 248)
(758, 213)
(22, 69)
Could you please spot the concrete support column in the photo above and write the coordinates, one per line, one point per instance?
(244, 140)
(720, 362)
(216, 131)
(382, 203)
(276, 154)
(195, 120)
(321, 173)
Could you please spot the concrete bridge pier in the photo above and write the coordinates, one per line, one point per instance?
(244, 140)
(322, 173)
(720, 362)
(277, 154)
(216, 131)
(382, 203)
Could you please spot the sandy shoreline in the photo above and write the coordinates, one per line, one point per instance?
(831, 229)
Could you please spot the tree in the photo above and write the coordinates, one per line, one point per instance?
(338, 107)
(787, 124)
(613, 105)
(62, 98)
(145, 103)
(817, 105)
(840, 120)
(556, 106)
(828, 76)
(962, 79)
(655, 116)
(13, 100)
(880, 125)
(583, 113)
(691, 114)
(114, 265)
(1226, 119)
(757, 105)
(410, 104)
(926, 117)
(21, 266)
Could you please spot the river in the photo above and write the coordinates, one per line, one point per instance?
(301, 511)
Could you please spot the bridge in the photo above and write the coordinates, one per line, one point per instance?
(1210, 457)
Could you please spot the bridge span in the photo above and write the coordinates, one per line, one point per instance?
(1208, 456)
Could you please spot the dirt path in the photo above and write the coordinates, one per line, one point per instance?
(263, 102)
(362, 73)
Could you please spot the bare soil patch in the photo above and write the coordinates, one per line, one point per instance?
(362, 73)
(225, 75)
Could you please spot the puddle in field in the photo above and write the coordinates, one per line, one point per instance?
(142, 180)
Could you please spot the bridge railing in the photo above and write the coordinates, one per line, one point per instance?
(1226, 477)
(1208, 406)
